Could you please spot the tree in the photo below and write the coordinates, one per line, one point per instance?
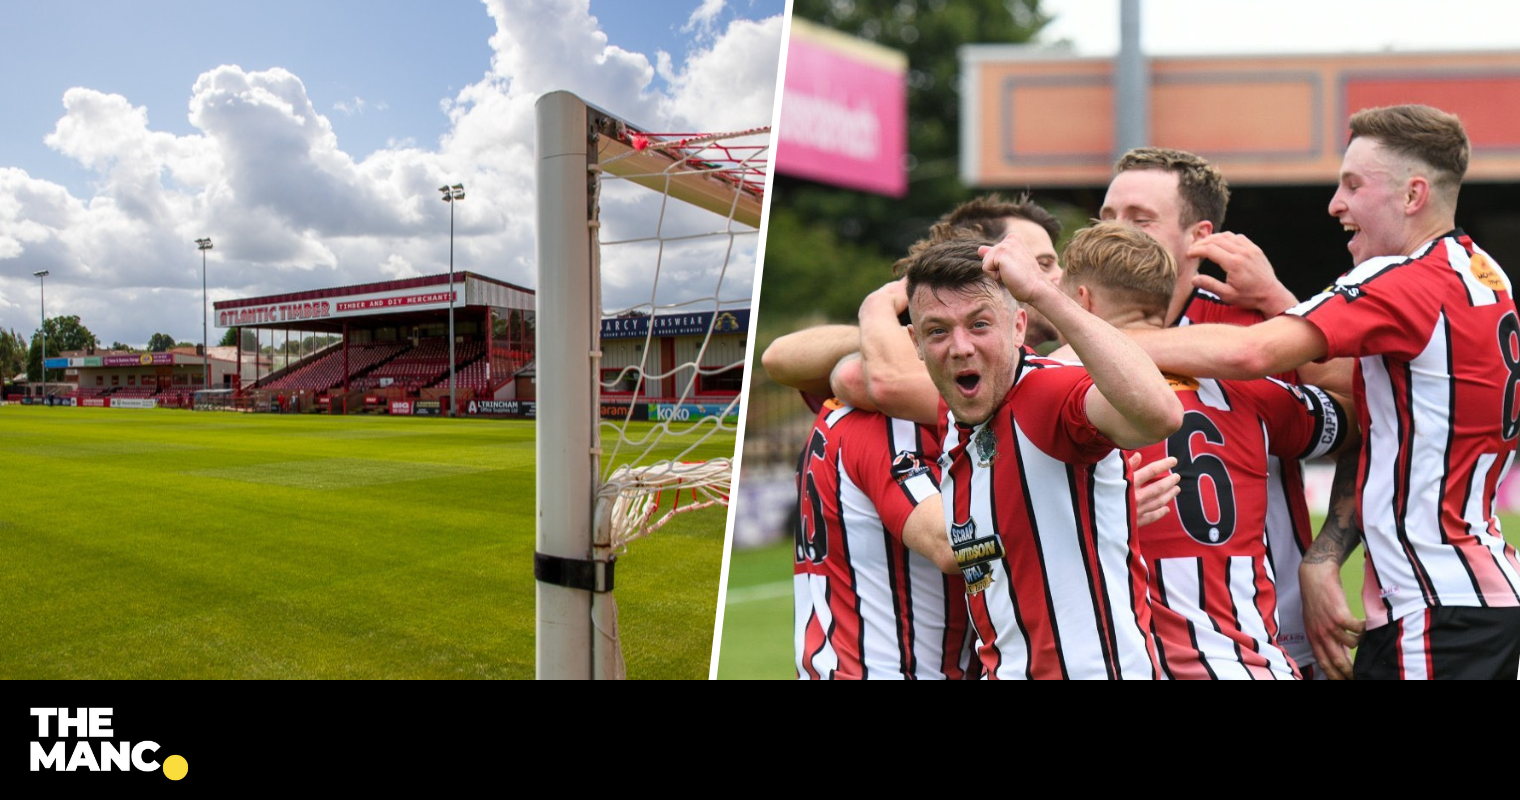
(63, 333)
(160, 342)
(230, 339)
(12, 354)
(124, 347)
(839, 244)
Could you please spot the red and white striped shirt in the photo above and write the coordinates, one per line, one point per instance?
(865, 605)
(1289, 531)
(1040, 512)
(1437, 343)
(1212, 582)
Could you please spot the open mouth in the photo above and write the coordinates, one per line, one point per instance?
(968, 382)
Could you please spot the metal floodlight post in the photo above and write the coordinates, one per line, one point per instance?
(41, 276)
(451, 194)
(204, 245)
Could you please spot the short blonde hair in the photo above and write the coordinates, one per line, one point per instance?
(1124, 260)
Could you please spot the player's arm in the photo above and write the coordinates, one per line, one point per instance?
(904, 492)
(924, 533)
(895, 377)
(1130, 402)
(1332, 630)
(1280, 344)
(848, 383)
(804, 359)
(1251, 281)
(1333, 375)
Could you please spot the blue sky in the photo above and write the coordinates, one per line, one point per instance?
(164, 141)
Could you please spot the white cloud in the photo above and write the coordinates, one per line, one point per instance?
(704, 18)
(267, 178)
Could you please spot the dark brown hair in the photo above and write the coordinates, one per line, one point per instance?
(953, 266)
(1200, 185)
(982, 218)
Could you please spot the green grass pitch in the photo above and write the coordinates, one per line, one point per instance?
(181, 545)
(757, 617)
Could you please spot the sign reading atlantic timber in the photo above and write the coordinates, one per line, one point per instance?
(350, 306)
(696, 324)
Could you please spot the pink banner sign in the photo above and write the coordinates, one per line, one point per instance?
(844, 114)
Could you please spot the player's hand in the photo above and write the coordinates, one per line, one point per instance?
(1327, 619)
(892, 296)
(1011, 263)
(1252, 282)
(1155, 486)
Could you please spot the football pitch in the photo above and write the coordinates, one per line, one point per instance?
(167, 544)
(757, 617)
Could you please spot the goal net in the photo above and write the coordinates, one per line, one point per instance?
(646, 248)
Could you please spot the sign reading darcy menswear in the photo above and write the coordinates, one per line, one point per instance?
(414, 299)
(694, 324)
(844, 114)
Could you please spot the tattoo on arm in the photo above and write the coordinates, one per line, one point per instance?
(1342, 530)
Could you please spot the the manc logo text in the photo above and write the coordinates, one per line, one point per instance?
(93, 750)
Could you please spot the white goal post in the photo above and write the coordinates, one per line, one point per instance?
(586, 512)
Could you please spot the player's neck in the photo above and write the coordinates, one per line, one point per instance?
(1136, 320)
(1425, 231)
(1182, 290)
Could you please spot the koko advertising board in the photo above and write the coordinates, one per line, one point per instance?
(659, 412)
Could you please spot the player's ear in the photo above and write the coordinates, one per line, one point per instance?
(1084, 298)
(1020, 325)
(1416, 194)
(1199, 230)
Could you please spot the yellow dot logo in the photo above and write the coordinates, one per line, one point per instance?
(1485, 273)
(175, 767)
(1181, 383)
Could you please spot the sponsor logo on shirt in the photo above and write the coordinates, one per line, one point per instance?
(906, 464)
(1484, 271)
(974, 554)
(1351, 293)
(1180, 383)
